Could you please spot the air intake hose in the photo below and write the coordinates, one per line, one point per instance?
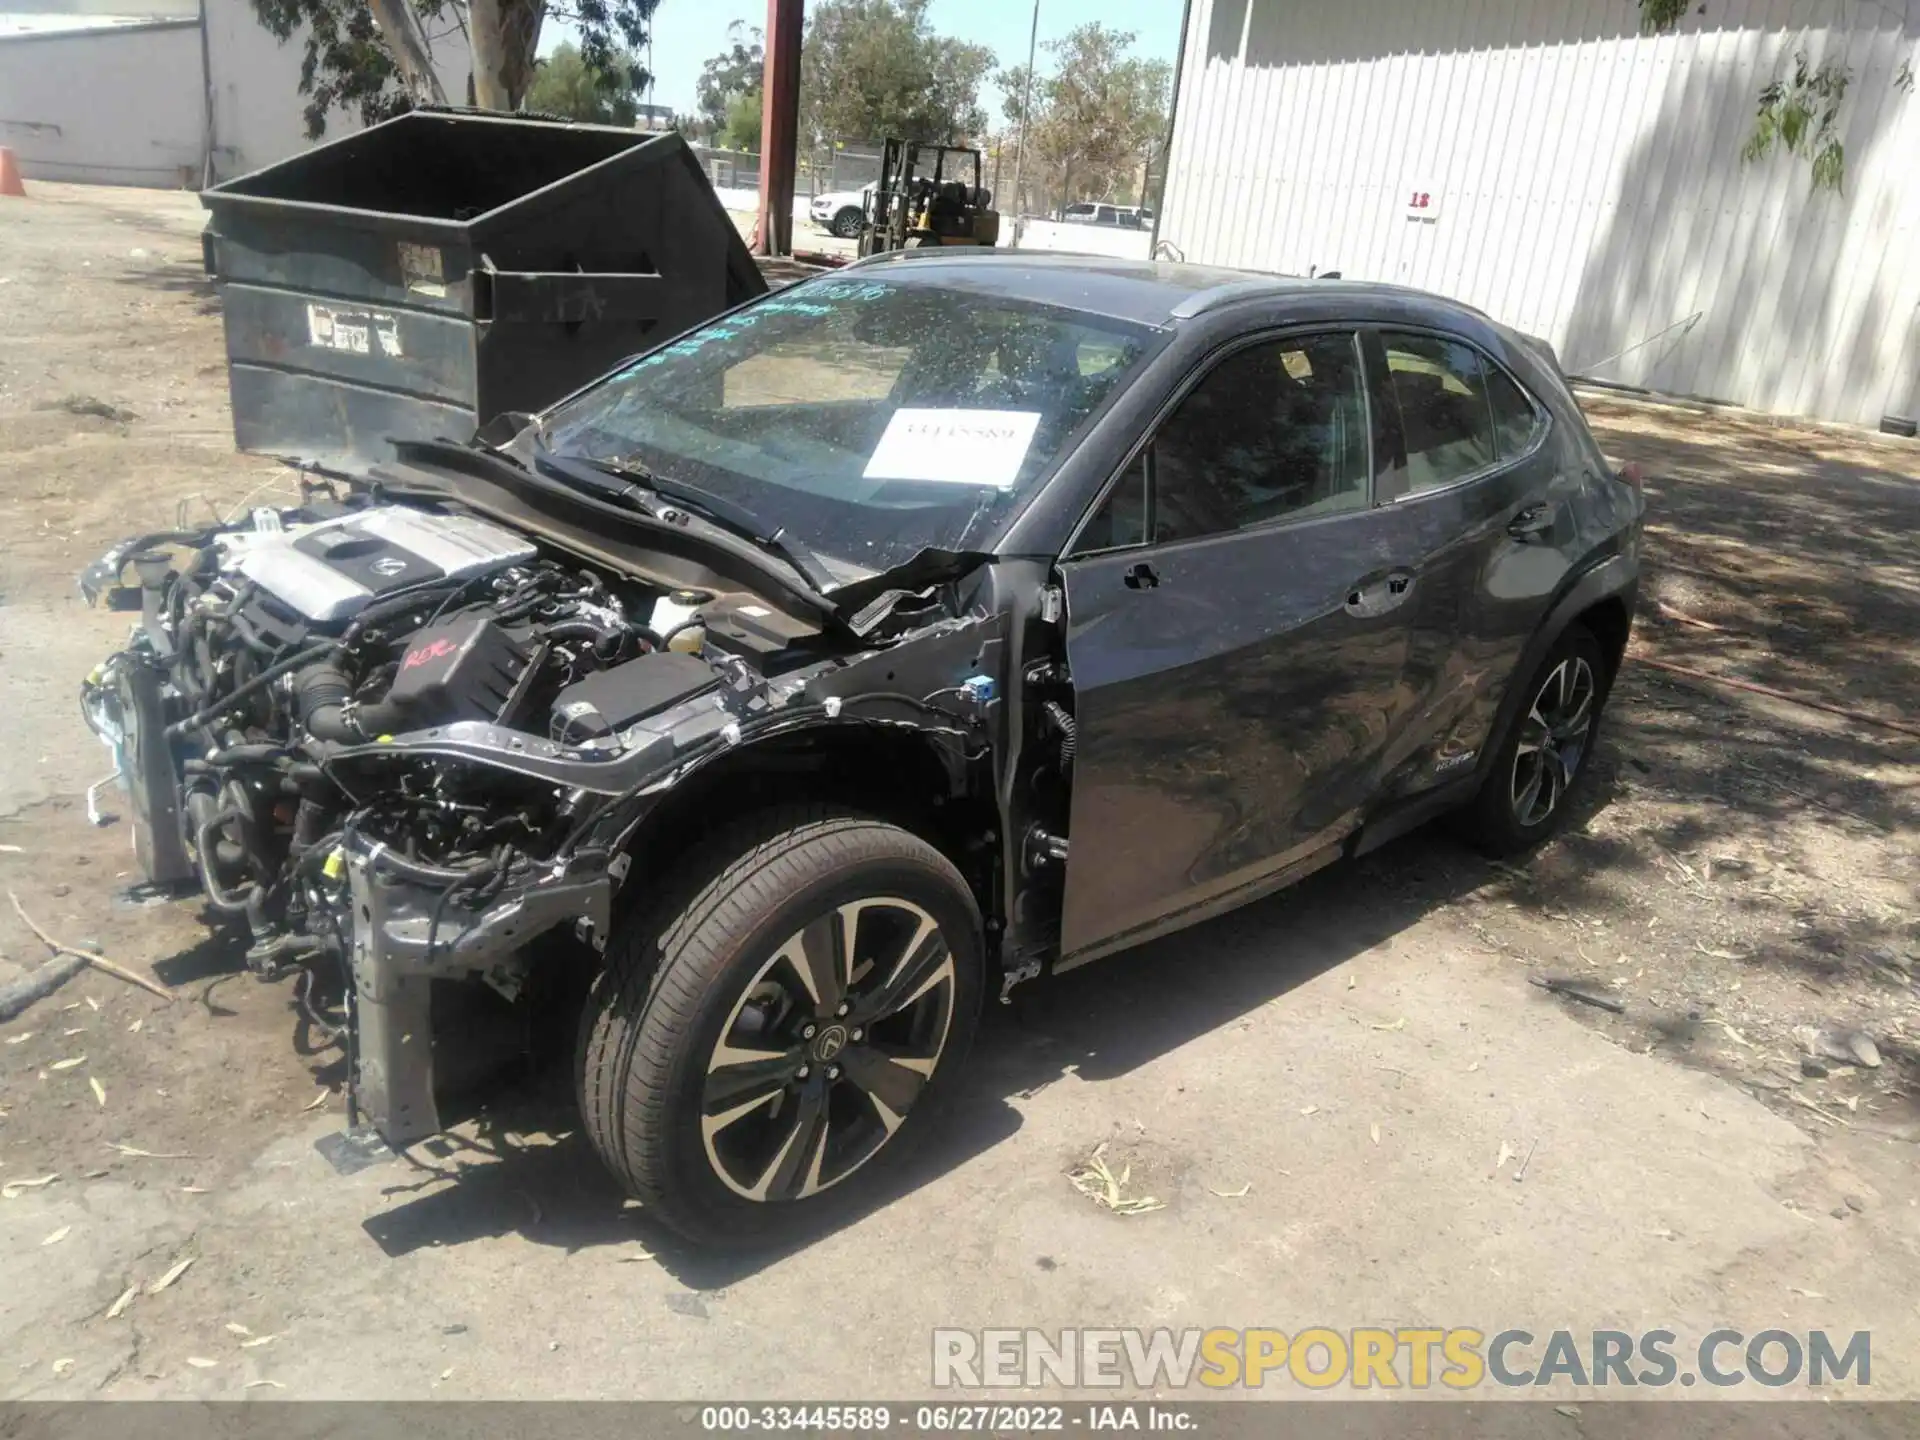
(322, 697)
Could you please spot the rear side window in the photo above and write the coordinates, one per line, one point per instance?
(1515, 420)
(1461, 412)
(1442, 392)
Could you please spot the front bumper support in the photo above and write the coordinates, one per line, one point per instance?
(397, 953)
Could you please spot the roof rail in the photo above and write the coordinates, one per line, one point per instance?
(1202, 301)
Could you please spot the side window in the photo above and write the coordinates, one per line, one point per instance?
(1121, 520)
(1443, 408)
(1275, 431)
(1515, 420)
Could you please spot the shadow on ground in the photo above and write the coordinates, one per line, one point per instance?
(1101, 1021)
(178, 278)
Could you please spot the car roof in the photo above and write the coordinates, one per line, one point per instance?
(1159, 293)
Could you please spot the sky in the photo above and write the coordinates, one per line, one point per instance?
(687, 32)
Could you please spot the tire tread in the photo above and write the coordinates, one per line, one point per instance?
(662, 963)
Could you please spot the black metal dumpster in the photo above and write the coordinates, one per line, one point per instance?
(422, 276)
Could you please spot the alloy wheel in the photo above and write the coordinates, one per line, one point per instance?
(828, 1049)
(1553, 741)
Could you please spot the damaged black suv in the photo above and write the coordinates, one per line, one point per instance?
(868, 650)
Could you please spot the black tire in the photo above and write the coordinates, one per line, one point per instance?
(703, 968)
(1525, 796)
(847, 221)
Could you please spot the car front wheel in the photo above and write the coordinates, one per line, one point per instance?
(770, 1036)
(1545, 753)
(846, 223)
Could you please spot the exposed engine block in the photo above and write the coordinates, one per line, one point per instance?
(330, 570)
(256, 707)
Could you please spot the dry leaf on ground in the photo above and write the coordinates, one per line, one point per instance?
(1107, 1190)
(172, 1275)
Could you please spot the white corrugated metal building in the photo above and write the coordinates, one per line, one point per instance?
(145, 92)
(1547, 162)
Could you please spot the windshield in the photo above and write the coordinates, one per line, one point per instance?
(868, 418)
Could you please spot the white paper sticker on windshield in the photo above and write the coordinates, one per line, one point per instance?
(958, 447)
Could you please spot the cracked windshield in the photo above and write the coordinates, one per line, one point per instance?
(872, 419)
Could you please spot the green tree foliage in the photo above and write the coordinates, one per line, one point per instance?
(1799, 114)
(726, 78)
(1660, 15)
(1097, 116)
(347, 65)
(564, 84)
(873, 68)
(742, 130)
(1798, 111)
(361, 56)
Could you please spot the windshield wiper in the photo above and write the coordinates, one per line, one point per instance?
(729, 515)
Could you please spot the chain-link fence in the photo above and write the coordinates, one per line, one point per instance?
(729, 169)
(820, 170)
(844, 165)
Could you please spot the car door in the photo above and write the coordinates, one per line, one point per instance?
(1481, 492)
(1236, 609)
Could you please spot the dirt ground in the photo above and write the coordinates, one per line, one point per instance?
(1364, 1052)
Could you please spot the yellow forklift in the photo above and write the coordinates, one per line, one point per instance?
(924, 197)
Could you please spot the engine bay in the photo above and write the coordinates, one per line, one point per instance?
(290, 676)
(395, 744)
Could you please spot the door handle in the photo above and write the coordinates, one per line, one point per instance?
(1531, 523)
(1377, 597)
(1141, 576)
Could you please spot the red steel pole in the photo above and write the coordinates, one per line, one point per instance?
(779, 125)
